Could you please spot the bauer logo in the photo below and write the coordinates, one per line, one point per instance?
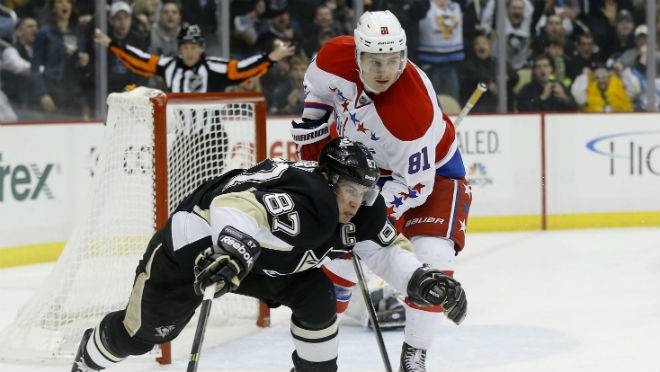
(23, 182)
(629, 153)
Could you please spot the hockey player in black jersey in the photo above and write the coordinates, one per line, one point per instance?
(264, 232)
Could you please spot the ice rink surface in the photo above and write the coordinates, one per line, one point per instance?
(558, 301)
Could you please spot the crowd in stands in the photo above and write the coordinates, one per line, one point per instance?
(563, 55)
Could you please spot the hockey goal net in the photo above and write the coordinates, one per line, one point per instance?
(157, 148)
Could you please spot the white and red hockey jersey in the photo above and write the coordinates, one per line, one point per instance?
(404, 127)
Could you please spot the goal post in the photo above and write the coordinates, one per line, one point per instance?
(156, 149)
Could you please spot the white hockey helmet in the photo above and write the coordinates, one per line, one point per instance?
(380, 32)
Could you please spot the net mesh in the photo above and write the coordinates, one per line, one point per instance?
(94, 274)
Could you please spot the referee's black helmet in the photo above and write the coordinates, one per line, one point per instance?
(190, 34)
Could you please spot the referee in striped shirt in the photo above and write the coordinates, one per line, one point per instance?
(192, 70)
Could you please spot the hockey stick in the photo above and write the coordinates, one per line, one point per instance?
(372, 312)
(478, 91)
(201, 328)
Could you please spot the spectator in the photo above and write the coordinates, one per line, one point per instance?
(246, 29)
(26, 8)
(279, 28)
(323, 22)
(482, 67)
(441, 46)
(639, 70)
(290, 95)
(585, 56)
(620, 38)
(300, 11)
(145, 15)
(164, 32)
(555, 50)
(544, 93)
(203, 14)
(553, 32)
(566, 10)
(517, 29)
(323, 37)
(7, 113)
(344, 17)
(16, 62)
(60, 55)
(602, 90)
(630, 56)
(599, 16)
(409, 13)
(120, 76)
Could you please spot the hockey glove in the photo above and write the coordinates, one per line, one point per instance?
(311, 136)
(429, 286)
(226, 263)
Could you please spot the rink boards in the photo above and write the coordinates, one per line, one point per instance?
(527, 172)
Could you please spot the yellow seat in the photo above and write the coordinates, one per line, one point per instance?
(524, 77)
(449, 104)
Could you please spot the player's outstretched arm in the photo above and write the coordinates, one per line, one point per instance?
(429, 286)
(138, 61)
(226, 263)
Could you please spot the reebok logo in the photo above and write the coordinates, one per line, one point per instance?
(240, 248)
(25, 181)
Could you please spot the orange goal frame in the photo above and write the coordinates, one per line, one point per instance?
(159, 104)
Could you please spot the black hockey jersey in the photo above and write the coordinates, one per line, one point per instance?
(295, 211)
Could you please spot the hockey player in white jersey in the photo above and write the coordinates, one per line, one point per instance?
(379, 98)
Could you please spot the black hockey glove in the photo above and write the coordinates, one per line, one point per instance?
(429, 286)
(226, 263)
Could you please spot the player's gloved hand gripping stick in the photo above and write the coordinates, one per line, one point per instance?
(218, 270)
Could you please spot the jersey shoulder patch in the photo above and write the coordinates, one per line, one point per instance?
(337, 57)
(370, 221)
(406, 108)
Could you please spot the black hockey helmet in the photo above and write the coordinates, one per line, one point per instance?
(190, 34)
(342, 158)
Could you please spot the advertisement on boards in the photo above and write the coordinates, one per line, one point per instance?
(44, 177)
(603, 163)
(502, 160)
